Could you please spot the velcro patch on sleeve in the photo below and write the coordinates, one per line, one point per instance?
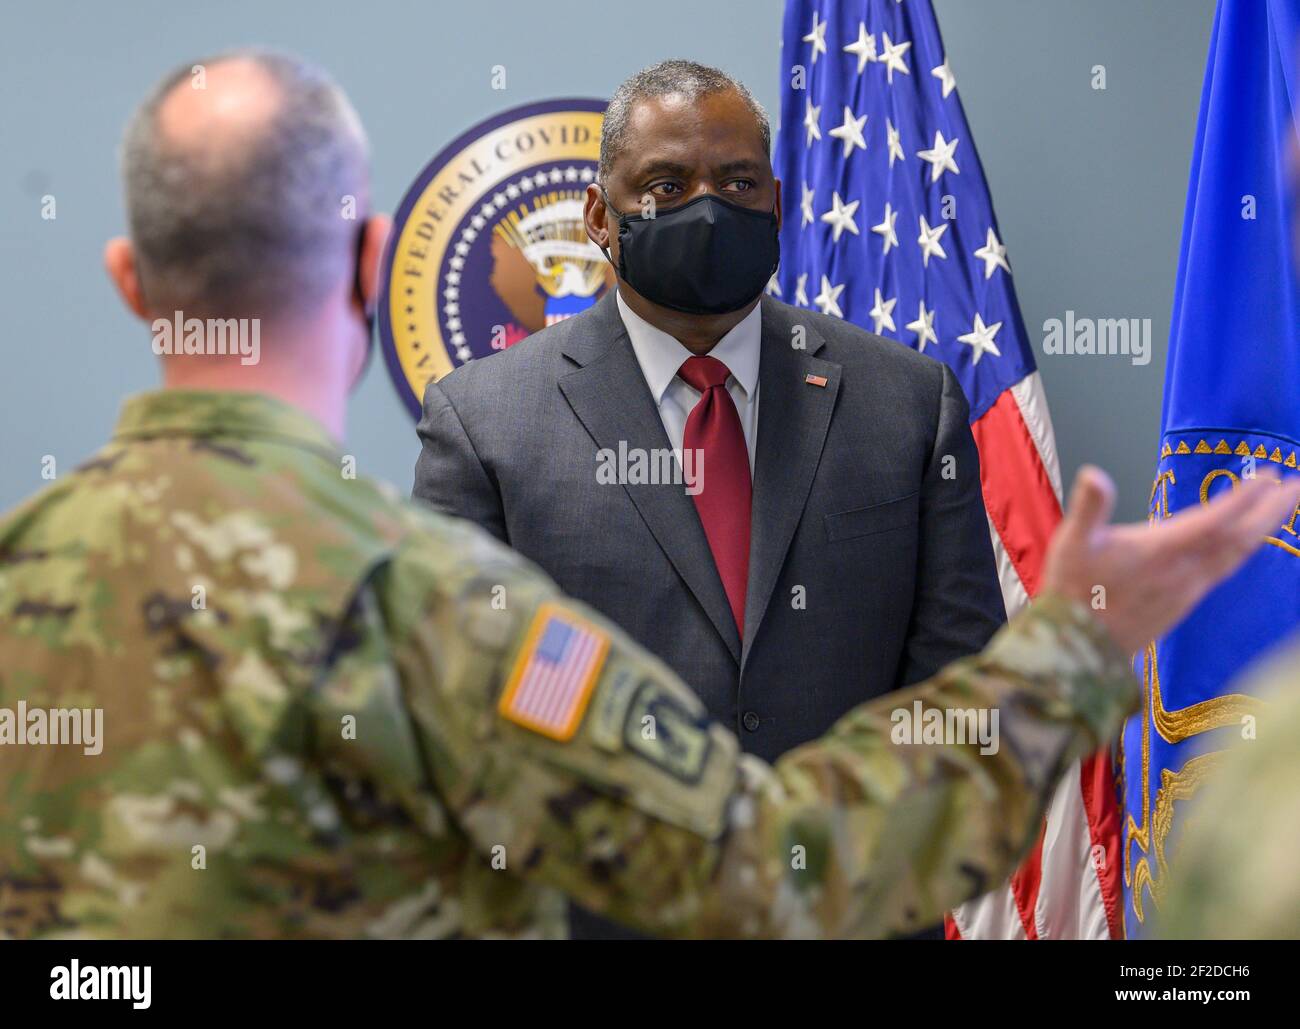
(556, 671)
(661, 729)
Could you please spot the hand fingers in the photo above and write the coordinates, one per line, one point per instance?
(1092, 499)
(1230, 528)
(1228, 508)
(1261, 509)
(1270, 507)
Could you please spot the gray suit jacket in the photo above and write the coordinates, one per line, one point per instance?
(870, 566)
(868, 569)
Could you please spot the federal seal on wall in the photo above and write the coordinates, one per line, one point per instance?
(488, 244)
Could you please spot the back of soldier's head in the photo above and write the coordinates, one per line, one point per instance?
(247, 182)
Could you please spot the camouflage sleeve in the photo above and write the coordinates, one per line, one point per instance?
(577, 759)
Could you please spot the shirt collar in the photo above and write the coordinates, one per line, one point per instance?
(184, 412)
(660, 355)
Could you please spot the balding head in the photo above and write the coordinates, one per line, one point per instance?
(674, 83)
(247, 183)
(234, 108)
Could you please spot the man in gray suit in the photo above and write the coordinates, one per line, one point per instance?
(821, 537)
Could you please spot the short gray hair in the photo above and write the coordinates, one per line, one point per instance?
(687, 79)
(262, 229)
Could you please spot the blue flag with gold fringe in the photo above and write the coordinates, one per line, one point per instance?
(1231, 410)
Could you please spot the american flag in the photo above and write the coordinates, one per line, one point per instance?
(554, 674)
(889, 224)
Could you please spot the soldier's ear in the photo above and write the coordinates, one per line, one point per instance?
(595, 218)
(375, 235)
(119, 262)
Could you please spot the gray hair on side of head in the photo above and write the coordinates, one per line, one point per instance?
(263, 227)
(687, 79)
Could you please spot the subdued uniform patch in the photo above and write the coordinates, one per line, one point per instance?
(661, 729)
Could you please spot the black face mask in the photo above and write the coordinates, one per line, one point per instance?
(708, 256)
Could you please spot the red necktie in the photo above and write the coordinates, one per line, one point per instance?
(713, 429)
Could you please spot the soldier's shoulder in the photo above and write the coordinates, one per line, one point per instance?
(66, 490)
(1234, 874)
(1277, 678)
(453, 550)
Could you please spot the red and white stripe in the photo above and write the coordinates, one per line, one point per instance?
(549, 691)
(1068, 886)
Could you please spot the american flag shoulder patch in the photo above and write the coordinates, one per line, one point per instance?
(555, 673)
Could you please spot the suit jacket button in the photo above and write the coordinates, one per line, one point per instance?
(750, 721)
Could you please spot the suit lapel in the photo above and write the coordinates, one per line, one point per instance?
(794, 416)
(609, 395)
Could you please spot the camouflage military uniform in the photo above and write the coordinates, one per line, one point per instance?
(305, 732)
(1234, 873)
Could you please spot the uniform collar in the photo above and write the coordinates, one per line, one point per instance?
(184, 412)
(660, 355)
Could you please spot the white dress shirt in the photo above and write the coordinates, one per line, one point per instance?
(660, 357)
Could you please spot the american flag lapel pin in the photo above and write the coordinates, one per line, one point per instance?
(815, 380)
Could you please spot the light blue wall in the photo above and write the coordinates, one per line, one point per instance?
(1088, 185)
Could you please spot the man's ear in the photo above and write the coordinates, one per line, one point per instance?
(375, 236)
(777, 209)
(594, 215)
(119, 262)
